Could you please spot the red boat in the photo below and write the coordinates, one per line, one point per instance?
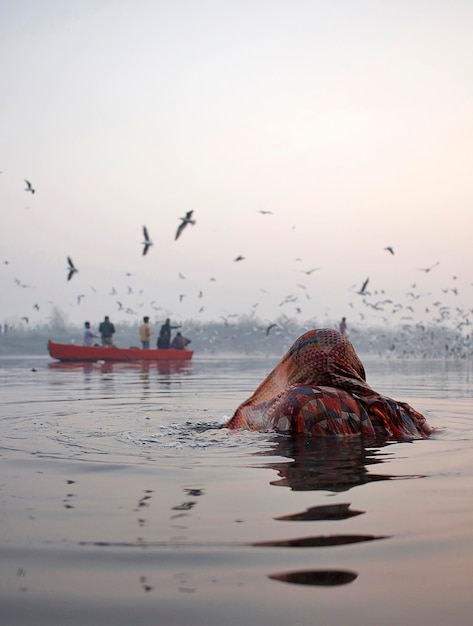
(73, 352)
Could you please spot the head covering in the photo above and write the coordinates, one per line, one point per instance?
(319, 387)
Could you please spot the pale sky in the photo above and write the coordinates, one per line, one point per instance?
(351, 121)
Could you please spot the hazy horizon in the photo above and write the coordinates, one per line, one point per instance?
(302, 135)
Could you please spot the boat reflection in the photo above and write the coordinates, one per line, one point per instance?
(107, 367)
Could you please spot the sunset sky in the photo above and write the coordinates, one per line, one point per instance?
(350, 122)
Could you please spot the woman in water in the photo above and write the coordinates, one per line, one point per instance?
(319, 389)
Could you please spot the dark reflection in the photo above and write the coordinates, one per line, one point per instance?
(324, 464)
(322, 512)
(327, 464)
(330, 577)
(320, 541)
(161, 367)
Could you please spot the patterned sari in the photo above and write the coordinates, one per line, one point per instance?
(319, 389)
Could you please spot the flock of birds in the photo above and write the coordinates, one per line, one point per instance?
(147, 243)
(372, 300)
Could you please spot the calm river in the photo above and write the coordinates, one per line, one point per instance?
(122, 502)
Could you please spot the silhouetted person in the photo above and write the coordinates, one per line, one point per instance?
(107, 330)
(180, 342)
(164, 339)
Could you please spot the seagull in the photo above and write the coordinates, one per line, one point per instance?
(79, 297)
(427, 269)
(268, 330)
(389, 249)
(36, 306)
(71, 269)
(265, 212)
(26, 320)
(315, 269)
(239, 258)
(147, 243)
(187, 219)
(29, 186)
(363, 287)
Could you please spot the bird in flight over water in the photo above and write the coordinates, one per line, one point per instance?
(363, 286)
(29, 186)
(71, 268)
(187, 219)
(147, 243)
(427, 269)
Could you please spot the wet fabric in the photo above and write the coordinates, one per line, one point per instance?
(319, 388)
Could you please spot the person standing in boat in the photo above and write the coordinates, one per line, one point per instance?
(145, 333)
(164, 339)
(180, 342)
(107, 330)
(87, 335)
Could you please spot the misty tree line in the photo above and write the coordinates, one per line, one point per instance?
(247, 335)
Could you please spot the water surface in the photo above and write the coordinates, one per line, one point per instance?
(123, 501)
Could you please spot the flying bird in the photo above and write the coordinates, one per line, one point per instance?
(315, 269)
(268, 330)
(147, 243)
(363, 286)
(187, 219)
(389, 249)
(427, 269)
(26, 320)
(36, 306)
(29, 186)
(265, 212)
(71, 269)
(239, 258)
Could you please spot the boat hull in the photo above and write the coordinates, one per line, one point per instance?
(73, 352)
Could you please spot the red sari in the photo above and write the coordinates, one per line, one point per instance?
(319, 389)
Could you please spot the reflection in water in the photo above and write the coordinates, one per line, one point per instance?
(322, 512)
(164, 373)
(329, 577)
(107, 367)
(321, 541)
(326, 464)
